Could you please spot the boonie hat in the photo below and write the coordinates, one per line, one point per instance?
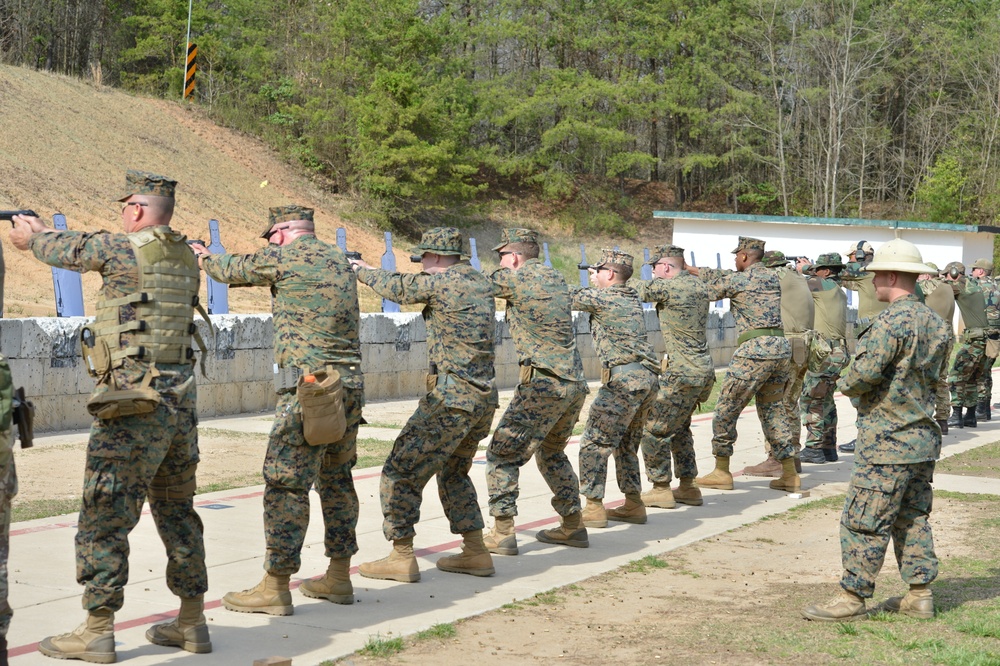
(747, 243)
(516, 235)
(774, 259)
(661, 251)
(439, 240)
(286, 214)
(829, 260)
(900, 256)
(143, 182)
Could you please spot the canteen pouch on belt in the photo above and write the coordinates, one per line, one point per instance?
(115, 404)
(324, 420)
(800, 350)
(992, 345)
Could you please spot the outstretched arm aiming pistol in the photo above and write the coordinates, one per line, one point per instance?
(9, 214)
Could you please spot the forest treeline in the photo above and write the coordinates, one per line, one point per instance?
(816, 107)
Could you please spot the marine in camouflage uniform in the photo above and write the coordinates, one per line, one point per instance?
(893, 377)
(546, 402)
(618, 413)
(8, 490)
(687, 375)
(940, 298)
(444, 433)
(970, 357)
(982, 270)
(316, 324)
(759, 368)
(855, 278)
(152, 455)
(827, 358)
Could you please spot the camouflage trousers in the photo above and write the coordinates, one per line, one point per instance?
(819, 411)
(437, 440)
(965, 373)
(538, 423)
(668, 426)
(614, 427)
(886, 501)
(985, 387)
(291, 468)
(942, 393)
(128, 459)
(792, 399)
(753, 378)
(8, 489)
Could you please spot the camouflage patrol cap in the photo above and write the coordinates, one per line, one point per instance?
(747, 243)
(957, 265)
(774, 258)
(934, 266)
(829, 260)
(985, 264)
(286, 214)
(142, 182)
(661, 251)
(614, 257)
(516, 235)
(440, 240)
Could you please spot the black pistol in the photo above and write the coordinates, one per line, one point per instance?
(583, 267)
(9, 214)
(196, 241)
(350, 254)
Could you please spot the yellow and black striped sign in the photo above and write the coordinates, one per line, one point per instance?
(190, 70)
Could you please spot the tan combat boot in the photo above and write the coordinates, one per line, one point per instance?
(659, 496)
(92, 641)
(918, 603)
(770, 467)
(632, 511)
(845, 607)
(335, 585)
(570, 532)
(400, 565)
(789, 480)
(271, 596)
(594, 514)
(719, 478)
(502, 540)
(474, 558)
(688, 493)
(188, 631)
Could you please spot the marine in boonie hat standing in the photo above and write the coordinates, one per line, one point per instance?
(759, 369)
(629, 370)
(444, 432)
(893, 378)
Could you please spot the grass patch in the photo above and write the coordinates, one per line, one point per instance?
(645, 564)
(380, 424)
(549, 598)
(381, 647)
(981, 461)
(43, 508)
(438, 631)
(372, 452)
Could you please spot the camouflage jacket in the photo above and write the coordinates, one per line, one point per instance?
(682, 307)
(894, 377)
(540, 316)
(461, 323)
(970, 294)
(855, 278)
(316, 315)
(991, 288)
(831, 307)
(618, 325)
(755, 302)
(112, 257)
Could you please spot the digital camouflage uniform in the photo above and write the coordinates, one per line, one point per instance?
(150, 456)
(893, 376)
(687, 373)
(971, 353)
(618, 413)
(8, 490)
(827, 358)
(548, 400)
(760, 365)
(939, 297)
(444, 432)
(798, 316)
(316, 324)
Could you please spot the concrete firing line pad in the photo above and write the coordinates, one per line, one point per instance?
(46, 598)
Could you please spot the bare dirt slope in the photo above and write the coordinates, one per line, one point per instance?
(65, 145)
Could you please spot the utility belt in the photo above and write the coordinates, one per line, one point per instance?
(527, 371)
(287, 379)
(971, 334)
(615, 370)
(759, 332)
(443, 379)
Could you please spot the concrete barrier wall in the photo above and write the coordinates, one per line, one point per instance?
(44, 355)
